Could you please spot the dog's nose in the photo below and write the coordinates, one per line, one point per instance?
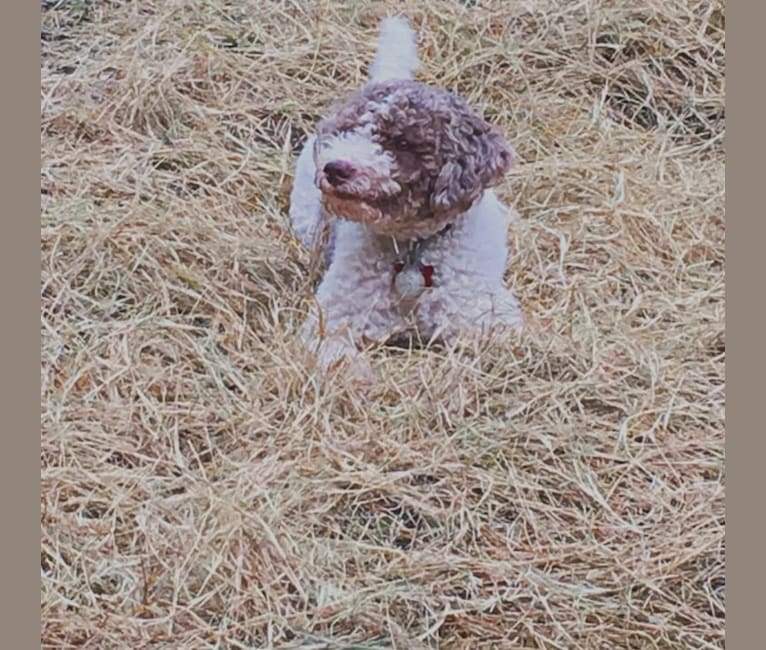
(338, 171)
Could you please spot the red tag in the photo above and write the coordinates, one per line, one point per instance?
(426, 270)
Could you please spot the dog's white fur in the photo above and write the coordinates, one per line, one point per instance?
(397, 53)
(355, 299)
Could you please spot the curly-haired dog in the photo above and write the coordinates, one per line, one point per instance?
(402, 172)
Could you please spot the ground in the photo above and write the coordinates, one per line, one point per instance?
(200, 488)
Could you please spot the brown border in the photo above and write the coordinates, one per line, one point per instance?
(20, 273)
(745, 422)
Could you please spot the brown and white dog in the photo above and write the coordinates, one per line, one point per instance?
(402, 172)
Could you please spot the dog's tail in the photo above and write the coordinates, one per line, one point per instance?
(397, 55)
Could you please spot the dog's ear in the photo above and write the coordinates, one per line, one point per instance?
(478, 157)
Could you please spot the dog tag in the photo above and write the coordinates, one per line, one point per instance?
(409, 283)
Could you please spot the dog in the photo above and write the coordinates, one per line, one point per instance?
(402, 174)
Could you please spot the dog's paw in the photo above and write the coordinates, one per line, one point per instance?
(338, 359)
(355, 370)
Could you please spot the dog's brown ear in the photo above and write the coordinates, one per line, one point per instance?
(479, 158)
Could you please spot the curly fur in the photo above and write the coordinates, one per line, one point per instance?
(400, 161)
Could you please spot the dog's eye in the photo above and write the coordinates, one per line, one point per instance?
(402, 143)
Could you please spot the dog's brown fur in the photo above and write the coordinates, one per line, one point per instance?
(444, 156)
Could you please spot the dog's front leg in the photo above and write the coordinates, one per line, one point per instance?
(453, 312)
(352, 307)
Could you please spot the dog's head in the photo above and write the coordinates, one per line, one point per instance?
(406, 158)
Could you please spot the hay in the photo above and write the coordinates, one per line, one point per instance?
(200, 490)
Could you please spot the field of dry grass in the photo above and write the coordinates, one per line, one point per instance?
(200, 489)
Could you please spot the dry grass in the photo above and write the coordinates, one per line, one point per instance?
(200, 490)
